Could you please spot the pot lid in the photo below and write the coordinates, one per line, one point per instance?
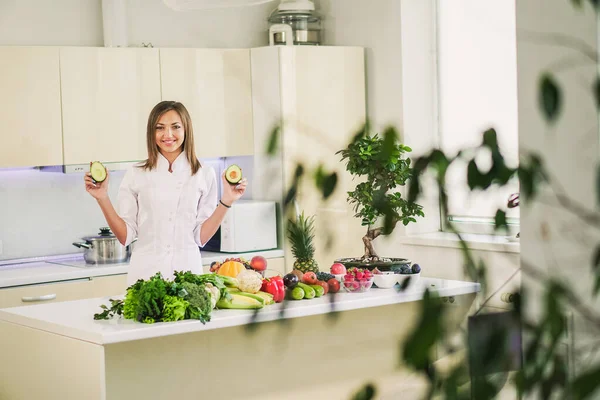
(104, 234)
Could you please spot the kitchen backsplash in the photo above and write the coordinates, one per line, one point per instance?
(43, 213)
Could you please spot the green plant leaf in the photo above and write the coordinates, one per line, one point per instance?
(500, 221)
(428, 330)
(390, 137)
(329, 185)
(596, 91)
(299, 171)
(577, 3)
(273, 141)
(405, 283)
(550, 97)
(586, 384)
(596, 260)
(596, 270)
(362, 132)
(594, 3)
(474, 177)
(490, 140)
(291, 194)
(598, 184)
(367, 392)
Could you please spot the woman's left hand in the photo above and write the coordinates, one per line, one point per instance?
(232, 193)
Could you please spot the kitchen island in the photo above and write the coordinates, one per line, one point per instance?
(58, 351)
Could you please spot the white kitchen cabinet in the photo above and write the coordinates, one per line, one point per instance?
(76, 289)
(215, 87)
(30, 107)
(317, 96)
(107, 95)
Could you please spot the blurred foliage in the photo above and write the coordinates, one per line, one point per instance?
(544, 371)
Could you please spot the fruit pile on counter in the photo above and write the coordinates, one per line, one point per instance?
(296, 285)
(234, 283)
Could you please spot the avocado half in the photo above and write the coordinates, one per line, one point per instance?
(233, 174)
(98, 171)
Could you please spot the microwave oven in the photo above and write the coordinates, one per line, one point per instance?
(249, 225)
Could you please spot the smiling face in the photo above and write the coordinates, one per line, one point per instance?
(170, 134)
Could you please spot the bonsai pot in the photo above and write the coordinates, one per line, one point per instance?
(382, 264)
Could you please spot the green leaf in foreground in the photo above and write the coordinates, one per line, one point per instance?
(587, 384)
(367, 392)
(419, 344)
(500, 221)
(550, 97)
(273, 141)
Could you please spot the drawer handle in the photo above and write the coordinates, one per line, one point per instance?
(45, 297)
(507, 297)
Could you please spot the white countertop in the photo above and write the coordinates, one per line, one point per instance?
(58, 270)
(74, 319)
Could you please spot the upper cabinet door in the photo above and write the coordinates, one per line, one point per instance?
(30, 107)
(107, 95)
(215, 86)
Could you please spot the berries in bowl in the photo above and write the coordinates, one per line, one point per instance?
(413, 272)
(357, 280)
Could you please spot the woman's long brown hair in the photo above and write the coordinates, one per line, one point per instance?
(188, 141)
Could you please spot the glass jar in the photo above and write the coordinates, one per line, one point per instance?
(305, 27)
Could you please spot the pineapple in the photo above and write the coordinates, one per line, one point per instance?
(301, 235)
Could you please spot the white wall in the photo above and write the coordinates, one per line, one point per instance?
(375, 25)
(79, 23)
(50, 23)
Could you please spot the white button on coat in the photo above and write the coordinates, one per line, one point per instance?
(165, 211)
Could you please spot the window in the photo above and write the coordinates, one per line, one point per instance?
(477, 89)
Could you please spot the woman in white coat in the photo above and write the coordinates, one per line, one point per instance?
(169, 202)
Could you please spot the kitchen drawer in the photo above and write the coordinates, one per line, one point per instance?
(63, 291)
(502, 287)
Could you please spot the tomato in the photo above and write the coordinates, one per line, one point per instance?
(334, 285)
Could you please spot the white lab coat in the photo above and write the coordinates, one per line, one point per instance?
(165, 211)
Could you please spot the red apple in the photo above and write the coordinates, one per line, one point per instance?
(338, 269)
(258, 263)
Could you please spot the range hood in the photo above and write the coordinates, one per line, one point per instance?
(82, 168)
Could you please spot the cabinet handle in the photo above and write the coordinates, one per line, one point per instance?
(45, 297)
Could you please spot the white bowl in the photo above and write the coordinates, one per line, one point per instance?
(413, 278)
(339, 277)
(385, 280)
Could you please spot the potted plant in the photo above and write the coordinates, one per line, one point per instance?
(381, 165)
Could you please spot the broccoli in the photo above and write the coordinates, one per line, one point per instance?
(199, 299)
(174, 308)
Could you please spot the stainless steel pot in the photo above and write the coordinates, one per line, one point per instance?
(104, 248)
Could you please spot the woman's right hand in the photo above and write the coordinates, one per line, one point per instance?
(98, 190)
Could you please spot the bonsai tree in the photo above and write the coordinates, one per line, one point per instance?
(383, 167)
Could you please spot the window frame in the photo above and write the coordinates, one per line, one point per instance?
(463, 224)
